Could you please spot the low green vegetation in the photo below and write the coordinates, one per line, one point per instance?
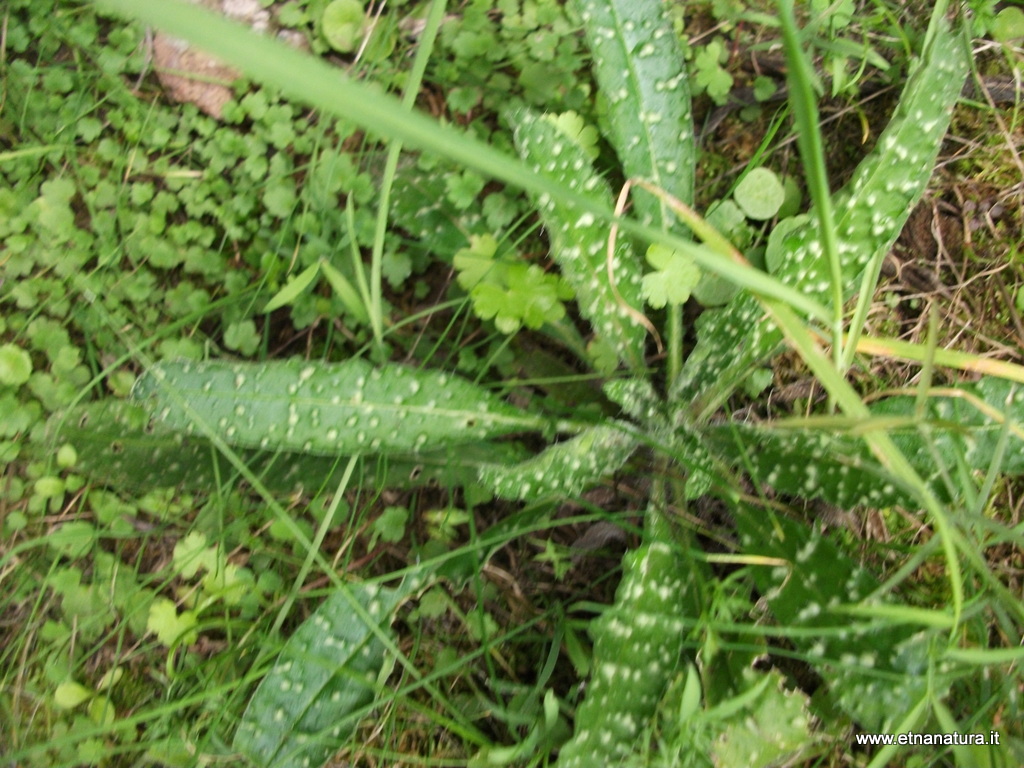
(328, 413)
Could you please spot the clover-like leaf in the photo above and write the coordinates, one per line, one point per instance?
(15, 365)
(342, 23)
(464, 188)
(492, 302)
(476, 262)
(673, 280)
(192, 555)
(390, 526)
(242, 337)
(710, 75)
(169, 626)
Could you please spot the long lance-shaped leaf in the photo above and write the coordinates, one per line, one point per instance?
(327, 409)
(640, 67)
(870, 213)
(874, 673)
(565, 468)
(122, 445)
(608, 291)
(638, 646)
(971, 426)
(309, 703)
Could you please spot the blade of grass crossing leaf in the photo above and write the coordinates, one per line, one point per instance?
(838, 388)
(871, 211)
(461, 724)
(809, 141)
(318, 540)
(640, 67)
(412, 88)
(313, 81)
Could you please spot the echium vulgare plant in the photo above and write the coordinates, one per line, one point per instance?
(292, 420)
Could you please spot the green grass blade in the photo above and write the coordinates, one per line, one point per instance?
(411, 91)
(812, 152)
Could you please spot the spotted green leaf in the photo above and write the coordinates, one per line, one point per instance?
(776, 726)
(640, 67)
(876, 674)
(566, 468)
(120, 444)
(638, 646)
(808, 463)
(579, 241)
(635, 397)
(326, 674)
(870, 213)
(326, 408)
(977, 425)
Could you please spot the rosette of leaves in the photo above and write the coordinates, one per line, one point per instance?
(333, 409)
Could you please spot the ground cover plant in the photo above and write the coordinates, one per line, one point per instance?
(200, 614)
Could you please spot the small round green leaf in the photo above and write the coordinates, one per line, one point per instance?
(760, 194)
(15, 365)
(67, 456)
(1008, 25)
(343, 22)
(70, 694)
